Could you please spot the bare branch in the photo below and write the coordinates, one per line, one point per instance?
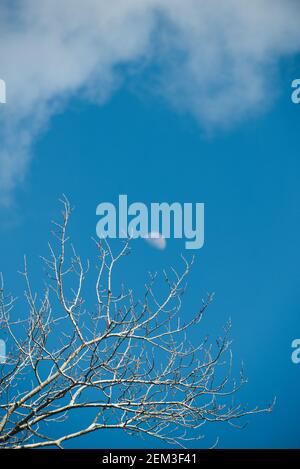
(129, 362)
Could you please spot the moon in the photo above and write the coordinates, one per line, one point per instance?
(156, 240)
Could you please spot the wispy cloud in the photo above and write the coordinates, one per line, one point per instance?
(217, 59)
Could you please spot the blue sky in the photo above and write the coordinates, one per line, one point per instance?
(247, 174)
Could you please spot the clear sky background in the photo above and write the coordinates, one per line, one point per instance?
(246, 171)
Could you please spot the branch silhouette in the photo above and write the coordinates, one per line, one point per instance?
(127, 363)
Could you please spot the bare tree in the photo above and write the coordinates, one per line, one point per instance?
(120, 364)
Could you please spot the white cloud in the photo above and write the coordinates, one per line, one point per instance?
(217, 57)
